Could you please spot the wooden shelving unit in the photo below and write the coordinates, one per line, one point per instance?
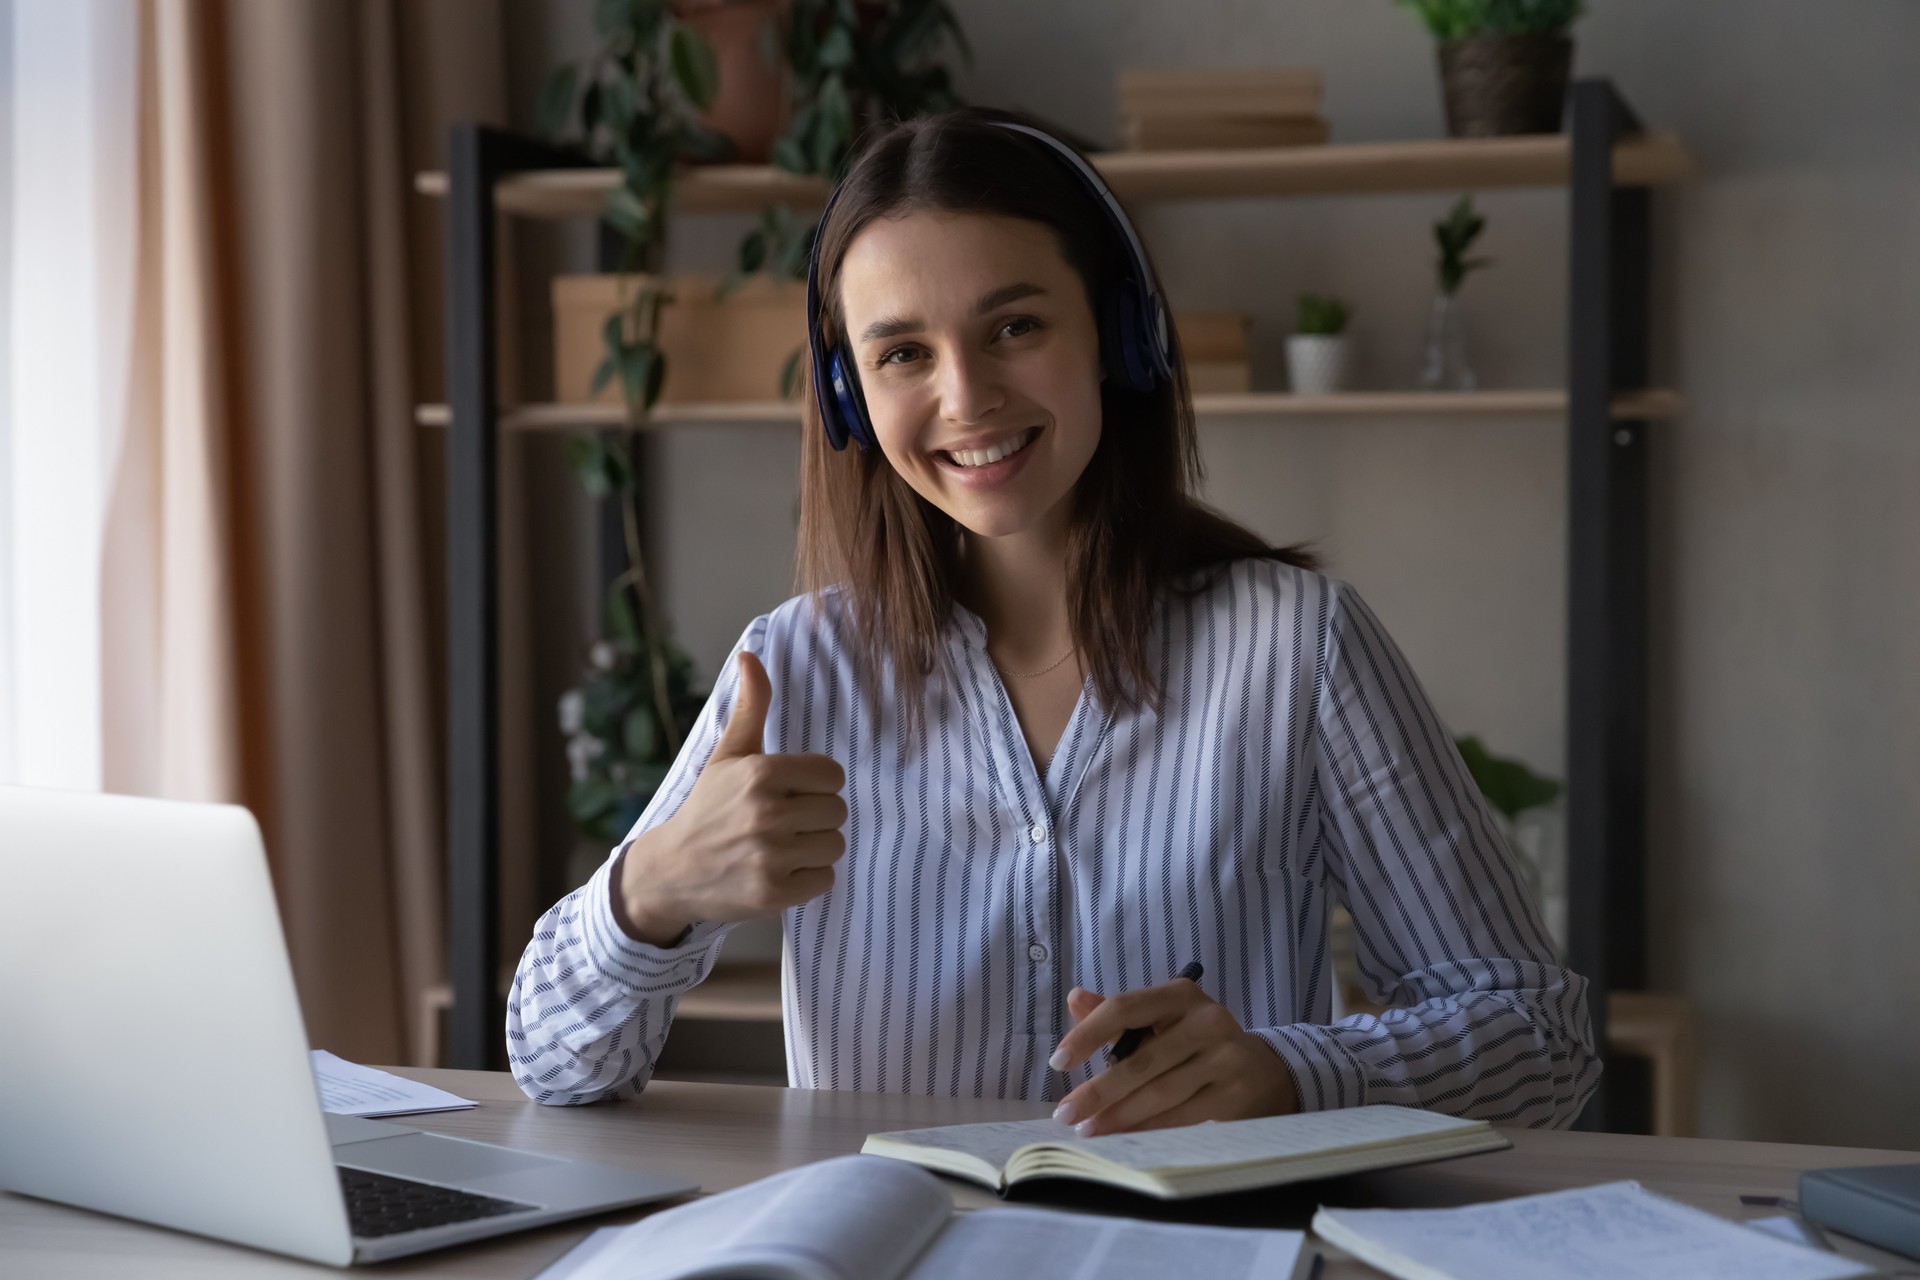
(1639, 405)
(1604, 161)
(1451, 164)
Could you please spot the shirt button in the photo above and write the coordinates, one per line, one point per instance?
(1036, 833)
(1036, 953)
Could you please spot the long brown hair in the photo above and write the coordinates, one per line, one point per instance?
(1137, 529)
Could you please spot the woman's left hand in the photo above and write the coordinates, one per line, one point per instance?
(1199, 1064)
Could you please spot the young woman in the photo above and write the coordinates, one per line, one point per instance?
(1044, 729)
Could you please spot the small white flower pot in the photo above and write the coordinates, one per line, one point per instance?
(1317, 363)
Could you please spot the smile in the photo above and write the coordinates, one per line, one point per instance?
(986, 457)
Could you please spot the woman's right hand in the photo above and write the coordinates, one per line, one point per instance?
(757, 834)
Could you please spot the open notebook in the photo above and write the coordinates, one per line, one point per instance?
(881, 1220)
(1200, 1159)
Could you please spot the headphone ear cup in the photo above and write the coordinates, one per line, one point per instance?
(1129, 323)
(848, 400)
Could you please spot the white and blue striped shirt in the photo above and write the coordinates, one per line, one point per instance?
(1296, 762)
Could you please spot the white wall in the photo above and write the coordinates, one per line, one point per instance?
(1786, 526)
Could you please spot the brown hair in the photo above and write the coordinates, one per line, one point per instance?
(1137, 529)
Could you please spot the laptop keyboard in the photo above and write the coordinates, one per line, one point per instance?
(379, 1204)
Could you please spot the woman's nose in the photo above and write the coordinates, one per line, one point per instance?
(970, 390)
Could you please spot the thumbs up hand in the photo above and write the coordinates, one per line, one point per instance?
(757, 834)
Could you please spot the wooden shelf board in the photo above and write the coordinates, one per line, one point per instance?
(1445, 164)
(735, 993)
(1653, 403)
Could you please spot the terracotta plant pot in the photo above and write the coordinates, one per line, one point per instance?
(1498, 85)
(755, 100)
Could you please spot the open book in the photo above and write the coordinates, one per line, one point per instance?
(857, 1218)
(1197, 1160)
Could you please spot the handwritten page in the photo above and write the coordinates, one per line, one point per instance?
(349, 1089)
(1617, 1229)
(1274, 1137)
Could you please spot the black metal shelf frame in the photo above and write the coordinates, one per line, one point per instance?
(1608, 302)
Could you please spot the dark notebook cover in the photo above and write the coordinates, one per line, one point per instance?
(1876, 1203)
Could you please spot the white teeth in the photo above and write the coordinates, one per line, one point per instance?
(981, 457)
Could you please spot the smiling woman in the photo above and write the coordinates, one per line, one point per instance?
(1044, 726)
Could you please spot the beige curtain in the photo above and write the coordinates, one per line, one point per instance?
(272, 566)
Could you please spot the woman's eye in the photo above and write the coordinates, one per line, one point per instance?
(1020, 327)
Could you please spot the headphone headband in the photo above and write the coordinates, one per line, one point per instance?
(1133, 331)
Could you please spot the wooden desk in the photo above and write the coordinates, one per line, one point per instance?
(726, 1135)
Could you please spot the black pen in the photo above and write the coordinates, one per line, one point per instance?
(1130, 1038)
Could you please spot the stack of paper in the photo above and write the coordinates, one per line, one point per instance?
(349, 1089)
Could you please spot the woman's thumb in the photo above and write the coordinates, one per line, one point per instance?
(747, 725)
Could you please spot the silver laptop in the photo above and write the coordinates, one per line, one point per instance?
(156, 1066)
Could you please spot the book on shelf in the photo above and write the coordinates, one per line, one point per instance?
(1196, 1160)
(858, 1216)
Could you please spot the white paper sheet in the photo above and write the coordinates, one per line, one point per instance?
(349, 1089)
(1617, 1229)
(1070, 1246)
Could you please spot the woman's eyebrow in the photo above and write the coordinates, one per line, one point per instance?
(894, 326)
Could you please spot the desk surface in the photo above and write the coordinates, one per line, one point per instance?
(726, 1135)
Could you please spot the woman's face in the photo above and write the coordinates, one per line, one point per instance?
(980, 361)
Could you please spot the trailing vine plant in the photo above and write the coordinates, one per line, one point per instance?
(633, 104)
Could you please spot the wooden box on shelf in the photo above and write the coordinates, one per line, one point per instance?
(727, 349)
(1215, 346)
(1216, 108)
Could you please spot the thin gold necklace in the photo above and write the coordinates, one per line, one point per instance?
(1028, 675)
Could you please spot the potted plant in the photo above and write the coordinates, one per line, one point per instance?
(1503, 63)
(652, 95)
(1445, 365)
(1318, 351)
(1521, 800)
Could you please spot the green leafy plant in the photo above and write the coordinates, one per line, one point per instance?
(633, 104)
(854, 63)
(617, 750)
(1509, 786)
(1456, 19)
(625, 720)
(635, 99)
(1455, 235)
(1323, 315)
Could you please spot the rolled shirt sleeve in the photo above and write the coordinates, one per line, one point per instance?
(590, 1006)
(1483, 1021)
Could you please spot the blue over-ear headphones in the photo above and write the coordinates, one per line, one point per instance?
(1133, 329)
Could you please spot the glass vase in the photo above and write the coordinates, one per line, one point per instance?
(1445, 366)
